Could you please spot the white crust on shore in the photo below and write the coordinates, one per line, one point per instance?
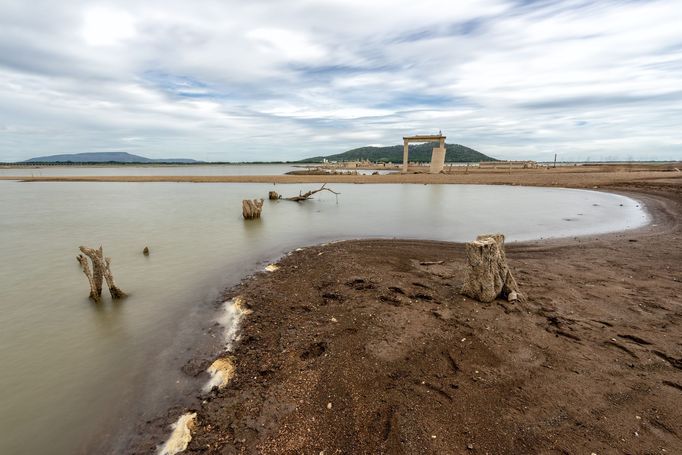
(223, 368)
(181, 435)
(221, 371)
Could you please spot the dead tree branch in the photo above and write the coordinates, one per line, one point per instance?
(307, 195)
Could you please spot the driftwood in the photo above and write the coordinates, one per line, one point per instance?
(251, 208)
(305, 196)
(101, 270)
(272, 195)
(488, 275)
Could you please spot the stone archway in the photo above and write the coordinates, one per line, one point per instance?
(437, 155)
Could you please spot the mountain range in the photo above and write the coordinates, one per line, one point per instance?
(106, 157)
(455, 153)
(394, 154)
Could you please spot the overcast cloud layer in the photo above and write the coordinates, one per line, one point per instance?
(279, 80)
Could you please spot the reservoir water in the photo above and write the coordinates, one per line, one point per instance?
(152, 169)
(72, 371)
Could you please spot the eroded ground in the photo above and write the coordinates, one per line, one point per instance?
(368, 347)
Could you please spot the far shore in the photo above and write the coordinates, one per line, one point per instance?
(563, 176)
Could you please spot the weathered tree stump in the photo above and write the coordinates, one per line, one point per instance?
(272, 195)
(95, 284)
(101, 270)
(488, 275)
(251, 208)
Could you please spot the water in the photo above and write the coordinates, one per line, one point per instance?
(72, 370)
(195, 169)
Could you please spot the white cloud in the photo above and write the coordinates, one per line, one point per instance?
(231, 80)
(106, 27)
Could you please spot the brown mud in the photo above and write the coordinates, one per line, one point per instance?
(368, 347)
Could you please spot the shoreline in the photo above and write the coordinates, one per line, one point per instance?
(219, 426)
(566, 177)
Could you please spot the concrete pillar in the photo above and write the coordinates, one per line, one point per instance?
(406, 151)
(437, 160)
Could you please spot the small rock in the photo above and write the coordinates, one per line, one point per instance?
(470, 446)
(146, 251)
(334, 320)
(329, 405)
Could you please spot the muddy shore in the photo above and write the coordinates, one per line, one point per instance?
(368, 347)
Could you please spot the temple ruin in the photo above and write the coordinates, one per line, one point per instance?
(437, 156)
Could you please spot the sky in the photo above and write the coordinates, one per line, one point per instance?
(283, 80)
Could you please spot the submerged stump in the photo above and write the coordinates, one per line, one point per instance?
(251, 209)
(272, 195)
(101, 271)
(488, 275)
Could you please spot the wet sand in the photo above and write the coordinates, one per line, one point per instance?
(368, 347)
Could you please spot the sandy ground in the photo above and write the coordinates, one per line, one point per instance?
(358, 348)
(567, 176)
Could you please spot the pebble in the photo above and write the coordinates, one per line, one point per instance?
(329, 405)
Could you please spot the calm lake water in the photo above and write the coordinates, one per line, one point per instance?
(198, 169)
(73, 372)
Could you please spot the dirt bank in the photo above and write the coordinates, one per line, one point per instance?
(358, 347)
(568, 176)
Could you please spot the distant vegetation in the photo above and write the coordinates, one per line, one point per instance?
(106, 158)
(394, 154)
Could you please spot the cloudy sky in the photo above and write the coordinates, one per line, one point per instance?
(276, 80)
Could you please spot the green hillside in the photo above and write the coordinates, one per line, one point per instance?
(394, 153)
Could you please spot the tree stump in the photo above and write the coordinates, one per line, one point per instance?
(101, 270)
(488, 275)
(251, 208)
(272, 195)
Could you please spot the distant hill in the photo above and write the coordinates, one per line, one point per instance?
(394, 154)
(106, 157)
